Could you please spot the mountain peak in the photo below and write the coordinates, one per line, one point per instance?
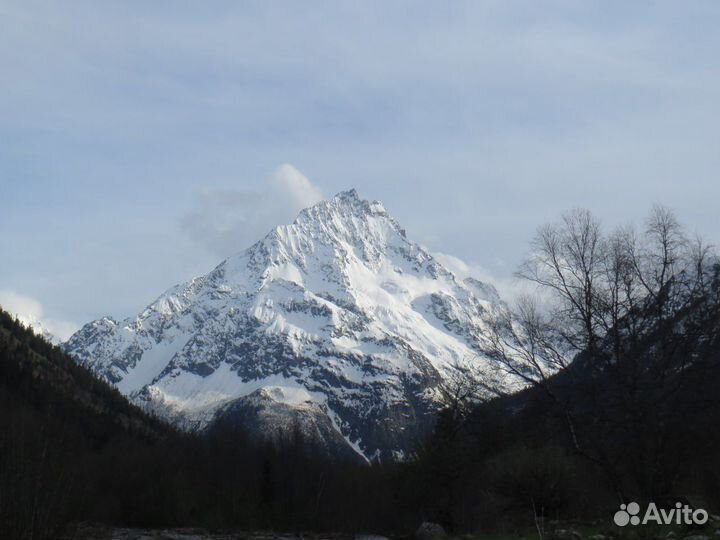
(350, 194)
(352, 199)
(338, 309)
(345, 217)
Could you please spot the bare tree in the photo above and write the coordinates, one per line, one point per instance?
(464, 386)
(627, 308)
(564, 260)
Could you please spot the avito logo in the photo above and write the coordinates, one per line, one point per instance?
(629, 514)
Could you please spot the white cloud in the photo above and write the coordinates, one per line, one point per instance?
(299, 191)
(30, 312)
(510, 288)
(17, 304)
(227, 221)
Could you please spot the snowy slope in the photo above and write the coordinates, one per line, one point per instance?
(338, 312)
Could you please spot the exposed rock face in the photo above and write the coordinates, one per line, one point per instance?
(337, 315)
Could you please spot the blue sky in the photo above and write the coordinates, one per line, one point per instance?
(140, 141)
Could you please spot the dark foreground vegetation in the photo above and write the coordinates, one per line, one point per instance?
(634, 417)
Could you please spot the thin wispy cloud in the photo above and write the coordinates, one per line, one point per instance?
(227, 221)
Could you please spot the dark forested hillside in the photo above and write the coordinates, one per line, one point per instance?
(39, 375)
(56, 422)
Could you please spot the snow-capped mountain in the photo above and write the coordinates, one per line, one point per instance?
(337, 322)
